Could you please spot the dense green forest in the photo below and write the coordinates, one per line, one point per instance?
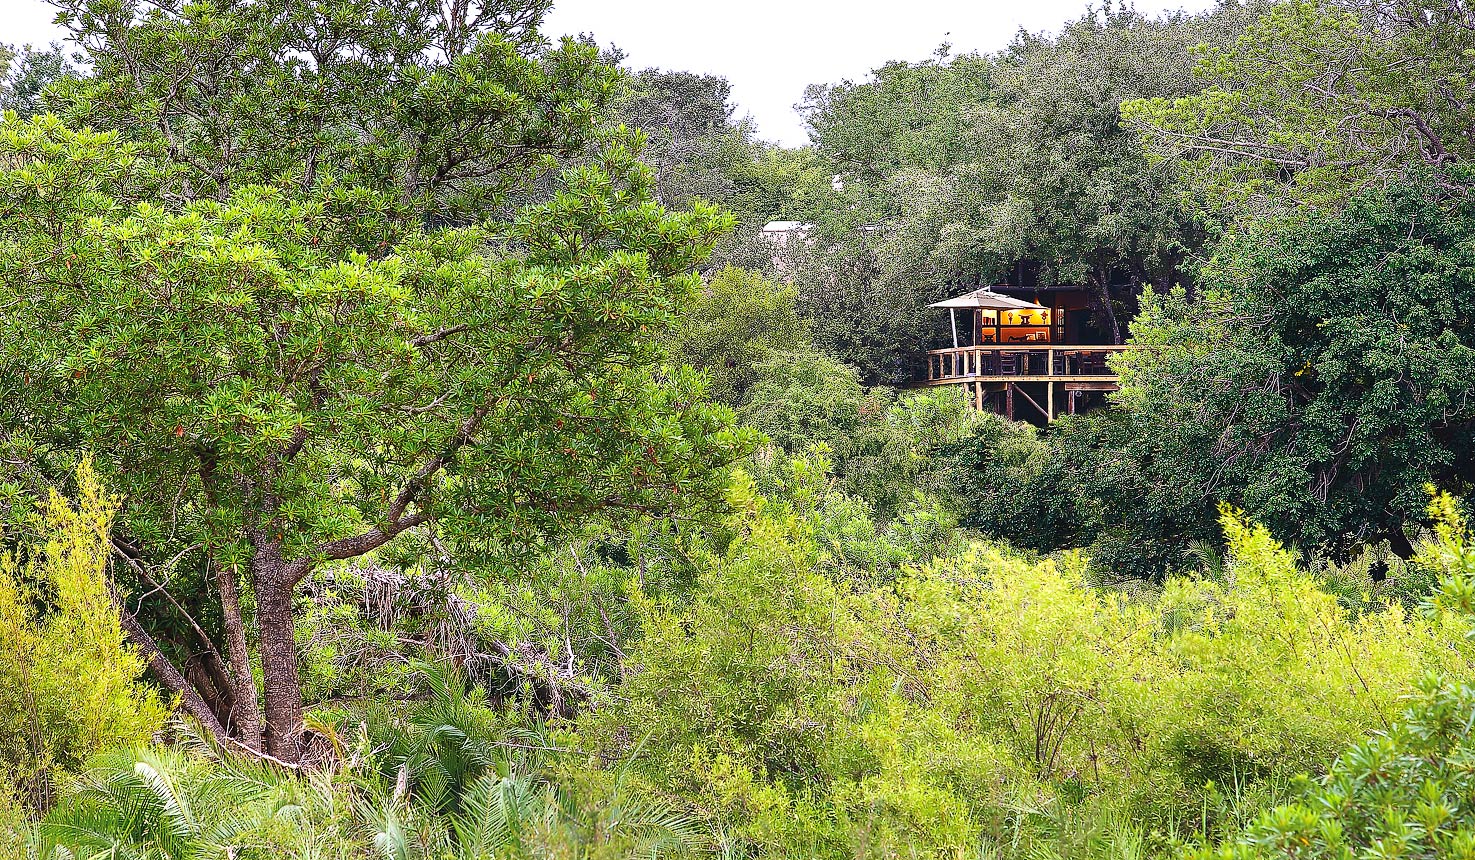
(412, 446)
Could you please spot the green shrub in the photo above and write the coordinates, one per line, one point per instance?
(1402, 793)
(985, 695)
(884, 445)
(893, 452)
(1269, 674)
(69, 684)
(804, 398)
(1244, 681)
(1405, 791)
(1012, 485)
(736, 323)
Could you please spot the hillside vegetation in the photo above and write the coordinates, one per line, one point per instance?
(412, 448)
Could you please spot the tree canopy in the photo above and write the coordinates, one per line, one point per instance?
(1319, 99)
(1322, 380)
(1009, 167)
(271, 357)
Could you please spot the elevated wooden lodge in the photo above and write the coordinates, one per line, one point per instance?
(1028, 353)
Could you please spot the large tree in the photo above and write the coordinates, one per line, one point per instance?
(1011, 166)
(1320, 99)
(29, 72)
(1322, 382)
(439, 111)
(701, 149)
(244, 300)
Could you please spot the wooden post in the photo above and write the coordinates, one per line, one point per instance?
(1050, 400)
(1009, 400)
(1031, 401)
(953, 314)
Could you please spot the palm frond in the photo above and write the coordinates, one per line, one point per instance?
(657, 825)
(497, 811)
(397, 831)
(154, 804)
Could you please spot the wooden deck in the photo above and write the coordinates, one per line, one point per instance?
(998, 376)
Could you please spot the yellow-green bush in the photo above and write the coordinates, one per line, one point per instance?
(1271, 672)
(1404, 792)
(69, 684)
(1259, 675)
(987, 694)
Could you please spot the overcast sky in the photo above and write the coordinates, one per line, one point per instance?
(769, 50)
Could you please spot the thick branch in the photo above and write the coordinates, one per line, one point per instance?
(426, 339)
(370, 540)
(169, 676)
(421, 479)
(247, 715)
(1437, 152)
(395, 521)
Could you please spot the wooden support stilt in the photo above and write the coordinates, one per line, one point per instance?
(1038, 408)
(1009, 401)
(1050, 401)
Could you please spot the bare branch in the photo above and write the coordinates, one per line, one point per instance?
(425, 340)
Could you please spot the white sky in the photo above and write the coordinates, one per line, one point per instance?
(769, 50)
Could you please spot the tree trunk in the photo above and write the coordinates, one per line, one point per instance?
(211, 680)
(246, 718)
(275, 622)
(1103, 295)
(1400, 543)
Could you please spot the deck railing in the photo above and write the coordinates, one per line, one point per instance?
(1021, 362)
